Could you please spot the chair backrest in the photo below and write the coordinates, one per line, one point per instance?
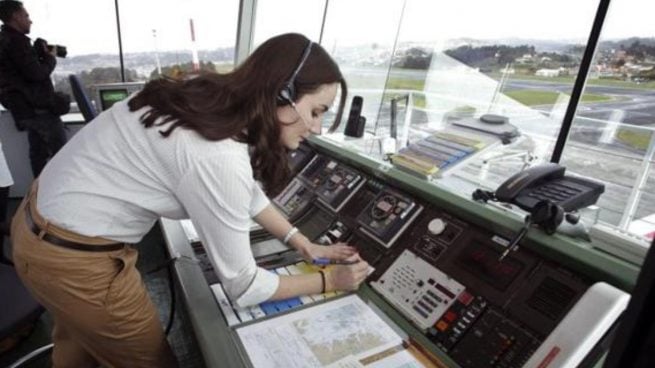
(83, 101)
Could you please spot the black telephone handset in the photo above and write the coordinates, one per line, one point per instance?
(547, 182)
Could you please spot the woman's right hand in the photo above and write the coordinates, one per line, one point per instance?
(347, 277)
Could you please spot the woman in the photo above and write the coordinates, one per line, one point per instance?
(194, 148)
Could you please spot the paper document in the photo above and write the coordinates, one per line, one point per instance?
(318, 336)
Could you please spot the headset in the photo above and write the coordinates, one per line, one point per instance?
(287, 94)
(548, 216)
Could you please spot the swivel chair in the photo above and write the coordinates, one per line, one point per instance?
(83, 102)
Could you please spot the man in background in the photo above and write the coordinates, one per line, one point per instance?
(25, 86)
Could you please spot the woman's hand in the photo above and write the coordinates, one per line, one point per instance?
(338, 251)
(347, 277)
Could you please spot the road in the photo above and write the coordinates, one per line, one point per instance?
(638, 105)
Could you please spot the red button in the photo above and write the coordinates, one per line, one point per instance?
(450, 316)
(465, 298)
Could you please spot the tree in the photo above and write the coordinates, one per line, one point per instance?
(180, 70)
(414, 58)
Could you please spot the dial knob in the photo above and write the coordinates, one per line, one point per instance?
(436, 226)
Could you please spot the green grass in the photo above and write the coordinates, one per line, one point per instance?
(397, 83)
(411, 84)
(571, 80)
(636, 139)
(533, 98)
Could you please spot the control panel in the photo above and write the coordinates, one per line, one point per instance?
(385, 218)
(418, 289)
(440, 272)
(333, 183)
(294, 199)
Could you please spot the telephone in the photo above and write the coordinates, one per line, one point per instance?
(547, 182)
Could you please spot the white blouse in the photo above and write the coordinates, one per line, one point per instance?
(115, 178)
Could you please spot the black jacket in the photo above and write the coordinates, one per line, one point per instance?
(24, 76)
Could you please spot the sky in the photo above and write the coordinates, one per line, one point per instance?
(149, 25)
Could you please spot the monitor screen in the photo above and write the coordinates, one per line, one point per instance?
(108, 97)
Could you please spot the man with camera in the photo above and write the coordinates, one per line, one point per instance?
(25, 86)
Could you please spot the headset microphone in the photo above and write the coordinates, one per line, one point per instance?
(287, 94)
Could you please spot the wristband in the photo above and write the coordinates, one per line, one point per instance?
(291, 233)
(322, 281)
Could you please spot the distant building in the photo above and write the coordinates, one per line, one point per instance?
(547, 73)
(525, 59)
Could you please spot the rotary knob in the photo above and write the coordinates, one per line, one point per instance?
(436, 226)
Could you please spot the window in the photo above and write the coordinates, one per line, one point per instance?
(91, 40)
(172, 38)
(274, 17)
(362, 45)
(611, 137)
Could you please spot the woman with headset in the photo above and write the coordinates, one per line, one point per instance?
(210, 148)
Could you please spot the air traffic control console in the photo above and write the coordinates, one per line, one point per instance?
(437, 276)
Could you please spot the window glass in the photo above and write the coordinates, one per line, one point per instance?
(91, 41)
(611, 138)
(177, 37)
(362, 45)
(274, 17)
(461, 62)
(451, 65)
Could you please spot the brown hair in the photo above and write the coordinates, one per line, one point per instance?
(242, 104)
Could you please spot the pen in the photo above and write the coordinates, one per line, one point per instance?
(327, 261)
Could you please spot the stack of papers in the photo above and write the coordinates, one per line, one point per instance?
(431, 156)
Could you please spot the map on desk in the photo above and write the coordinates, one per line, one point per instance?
(318, 336)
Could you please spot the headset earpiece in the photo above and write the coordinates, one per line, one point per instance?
(287, 95)
(548, 216)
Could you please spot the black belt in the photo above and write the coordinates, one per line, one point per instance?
(67, 243)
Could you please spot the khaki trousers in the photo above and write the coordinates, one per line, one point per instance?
(102, 312)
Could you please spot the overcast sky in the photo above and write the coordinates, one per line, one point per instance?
(90, 26)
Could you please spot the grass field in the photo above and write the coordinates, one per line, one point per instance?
(636, 139)
(534, 98)
(571, 80)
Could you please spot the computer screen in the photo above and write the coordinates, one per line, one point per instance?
(108, 97)
(107, 94)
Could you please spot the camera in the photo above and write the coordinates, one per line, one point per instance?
(40, 46)
(61, 50)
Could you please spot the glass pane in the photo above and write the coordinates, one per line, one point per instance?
(463, 69)
(362, 45)
(177, 37)
(470, 65)
(274, 17)
(612, 136)
(91, 41)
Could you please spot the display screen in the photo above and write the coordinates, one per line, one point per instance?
(482, 261)
(108, 97)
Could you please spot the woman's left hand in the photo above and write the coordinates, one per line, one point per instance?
(338, 251)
